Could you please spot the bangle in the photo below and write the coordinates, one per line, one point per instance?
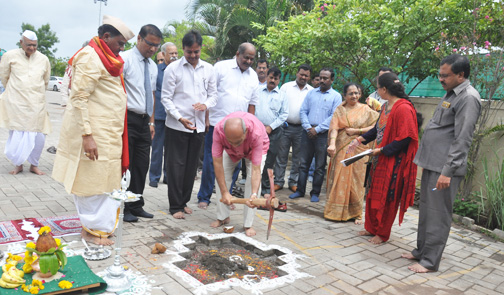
(253, 194)
(358, 140)
(333, 137)
(360, 131)
(150, 124)
(87, 134)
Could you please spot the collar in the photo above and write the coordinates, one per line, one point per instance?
(138, 55)
(184, 62)
(297, 86)
(328, 91)
(265, 88)
(236, 66)
(461, 87)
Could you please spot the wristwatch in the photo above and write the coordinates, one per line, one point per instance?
(151, 124)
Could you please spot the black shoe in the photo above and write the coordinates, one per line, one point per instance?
(153, 184)
(128, 217)
(141, 213)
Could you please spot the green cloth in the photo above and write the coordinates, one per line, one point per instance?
(76, 271)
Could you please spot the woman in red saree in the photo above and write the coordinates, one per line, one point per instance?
(393, 173)
(345, 185)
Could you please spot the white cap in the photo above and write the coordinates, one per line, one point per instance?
(30, 35)
(119, 25)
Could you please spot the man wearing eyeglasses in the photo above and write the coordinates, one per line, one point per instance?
(25, 73)
(140, 74)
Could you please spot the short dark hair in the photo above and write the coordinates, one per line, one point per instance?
(458, 63)
(305, 67)
(385, 69)
(275, 71)
(327, 69)
(108, 29)
(261, 61)
(316, 75)
(192, 37)
(150, 30)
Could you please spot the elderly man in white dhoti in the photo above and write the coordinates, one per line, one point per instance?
(94, 124)
(25, 73)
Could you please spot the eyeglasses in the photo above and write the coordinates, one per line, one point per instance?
(151, 44)
(443, 76)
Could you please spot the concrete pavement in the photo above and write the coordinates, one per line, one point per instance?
(338, 261)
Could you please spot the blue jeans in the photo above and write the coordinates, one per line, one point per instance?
(312, 147)
(207, 173)
(291, 136)
(157, 162)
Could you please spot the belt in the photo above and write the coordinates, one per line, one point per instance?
(143, 116)
(292, 124)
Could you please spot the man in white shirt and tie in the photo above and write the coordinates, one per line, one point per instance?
(140, 73)
(188, 90)
(236, 91)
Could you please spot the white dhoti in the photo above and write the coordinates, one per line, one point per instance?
(24, 145)
(229, 167)
(98, 214)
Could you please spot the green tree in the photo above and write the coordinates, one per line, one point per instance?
(356, 37)
(46, 38)
(174, 32)
(232, 22)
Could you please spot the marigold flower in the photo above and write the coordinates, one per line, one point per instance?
(27, 268)
(34, 290)
(31, 245)
(58, 242)
(36, 283)
(65, 285)
(44, 229)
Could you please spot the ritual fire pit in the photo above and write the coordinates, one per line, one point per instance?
(212, 262)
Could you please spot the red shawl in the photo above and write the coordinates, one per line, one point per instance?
(401, 124)
(114, 65)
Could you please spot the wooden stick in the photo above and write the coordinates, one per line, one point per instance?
(256, 202)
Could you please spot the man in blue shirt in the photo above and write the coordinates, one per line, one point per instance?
(272, 110)
(316, 114)
(169, 53)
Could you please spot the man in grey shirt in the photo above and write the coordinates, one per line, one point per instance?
(443, 156)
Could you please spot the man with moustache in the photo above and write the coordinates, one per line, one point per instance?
(236, 91)
(272, 110)
(316, 114)
(262, 70)
(140, 74)
(169, 54)
(295, 92)
(189, 89)
(91, 151)
(442, 154)
(25, 73)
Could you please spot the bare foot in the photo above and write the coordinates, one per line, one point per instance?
(408, 256)
(376, 240)
(203, 205)
(16, 170)
(364, 233)
(96, 240)
(36, 170)
(419, 269)
(250, 232)
(179, 215)
(187, 210)
(359, 221)
(219, 223)
(232, 207)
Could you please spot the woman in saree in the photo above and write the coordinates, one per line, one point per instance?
(392, 173)
(345, 185)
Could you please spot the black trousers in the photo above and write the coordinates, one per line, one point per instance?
(139, 143)
(274, 138)
(182, 151)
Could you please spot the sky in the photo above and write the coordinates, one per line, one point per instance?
(76, 21)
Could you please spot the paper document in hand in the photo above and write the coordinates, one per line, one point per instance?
(355, 158)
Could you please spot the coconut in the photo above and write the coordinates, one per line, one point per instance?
(45, 242)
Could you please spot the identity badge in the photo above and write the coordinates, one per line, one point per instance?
(445, 105)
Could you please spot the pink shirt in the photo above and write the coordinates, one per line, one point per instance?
(255, 145)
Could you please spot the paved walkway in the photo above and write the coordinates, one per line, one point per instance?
(338, 261)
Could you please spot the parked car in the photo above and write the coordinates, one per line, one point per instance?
(54, 83)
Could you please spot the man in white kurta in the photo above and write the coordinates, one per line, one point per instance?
(90, 150)
(25, 73)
